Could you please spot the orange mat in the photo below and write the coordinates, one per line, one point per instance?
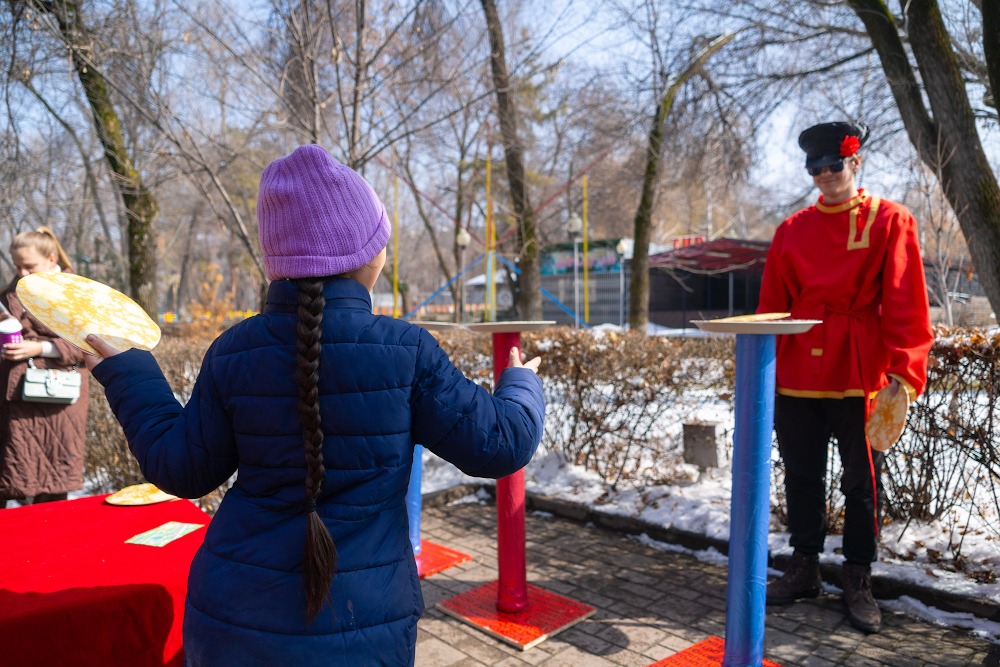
(707, 653)
(546, 615)
(433, 558)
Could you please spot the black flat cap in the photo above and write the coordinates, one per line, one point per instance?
(822, 143)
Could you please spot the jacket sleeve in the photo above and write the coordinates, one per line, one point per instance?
(187, 451)
(484, 435)
(774, 294)
(906, 324)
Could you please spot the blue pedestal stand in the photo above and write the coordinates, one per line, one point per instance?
(414, 498)
(750, 501)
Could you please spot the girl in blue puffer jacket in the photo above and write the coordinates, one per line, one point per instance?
(315, 404)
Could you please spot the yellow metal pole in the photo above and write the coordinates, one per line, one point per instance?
(586, 264)
(491, 245)
(395, 248)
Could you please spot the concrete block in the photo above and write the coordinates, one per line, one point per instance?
(703, 444)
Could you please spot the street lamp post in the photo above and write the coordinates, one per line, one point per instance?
(575, 227)
(462, 240)
(621, 282)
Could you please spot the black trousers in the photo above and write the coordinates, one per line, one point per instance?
(804, 427)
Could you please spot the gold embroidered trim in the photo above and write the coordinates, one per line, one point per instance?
(842, 206)
(854, 243)
(800, 393)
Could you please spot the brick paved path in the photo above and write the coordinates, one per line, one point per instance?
(650, 604)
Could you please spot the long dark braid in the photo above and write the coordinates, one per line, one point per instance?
(320, 558)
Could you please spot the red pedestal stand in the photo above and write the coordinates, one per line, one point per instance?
(508, 608)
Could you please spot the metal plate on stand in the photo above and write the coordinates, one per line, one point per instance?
(436, 326)
(760, 323)
(510, 327)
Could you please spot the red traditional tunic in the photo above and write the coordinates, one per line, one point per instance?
(857, 267)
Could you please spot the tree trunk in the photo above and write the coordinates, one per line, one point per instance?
(945, 136)
(991, 45)
(140, 206)
(360, 77)
(529, 294)
(300, 91)
(638, 302)
(457, 250)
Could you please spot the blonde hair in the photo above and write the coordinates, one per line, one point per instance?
(44, 242)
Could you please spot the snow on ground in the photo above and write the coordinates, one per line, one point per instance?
(701, 505)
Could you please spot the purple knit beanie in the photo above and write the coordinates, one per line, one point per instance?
(317, 217)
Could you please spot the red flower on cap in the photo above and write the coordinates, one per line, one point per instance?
(849, 146)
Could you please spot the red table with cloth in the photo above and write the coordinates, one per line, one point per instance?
(72, 592)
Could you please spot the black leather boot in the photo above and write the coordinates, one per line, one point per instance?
(800, 580)
(862, 610)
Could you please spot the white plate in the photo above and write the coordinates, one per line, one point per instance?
(763, 323)
(436, 326)
(511, 327)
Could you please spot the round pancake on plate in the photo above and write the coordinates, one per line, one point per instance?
(139, 494)
(887, 419)
(74, 306)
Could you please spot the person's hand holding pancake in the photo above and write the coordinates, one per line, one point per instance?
(104, 351)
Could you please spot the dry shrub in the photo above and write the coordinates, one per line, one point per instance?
(472, 353)
(606, 393)
(947, 465)
(950, 449)
(108, 463)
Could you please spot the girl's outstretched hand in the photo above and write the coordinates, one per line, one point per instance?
(103, 349)
(515, 361)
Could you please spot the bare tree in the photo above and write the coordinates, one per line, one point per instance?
(945, 255)
(991, 46)
(668, 84)
(465, 175)
(937, 67)
(140, 205)
(946, 119)
(529, 298)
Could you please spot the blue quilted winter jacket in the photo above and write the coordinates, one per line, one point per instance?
(385, 385)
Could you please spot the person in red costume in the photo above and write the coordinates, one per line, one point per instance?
(851, 260)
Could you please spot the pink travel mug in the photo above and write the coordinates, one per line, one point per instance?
(10, 331)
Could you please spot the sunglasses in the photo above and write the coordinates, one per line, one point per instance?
(834, 168)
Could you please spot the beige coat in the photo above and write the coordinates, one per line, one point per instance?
(41, 444)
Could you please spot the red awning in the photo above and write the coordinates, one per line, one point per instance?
(718, 256)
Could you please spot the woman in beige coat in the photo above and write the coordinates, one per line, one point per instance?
(41, 444)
